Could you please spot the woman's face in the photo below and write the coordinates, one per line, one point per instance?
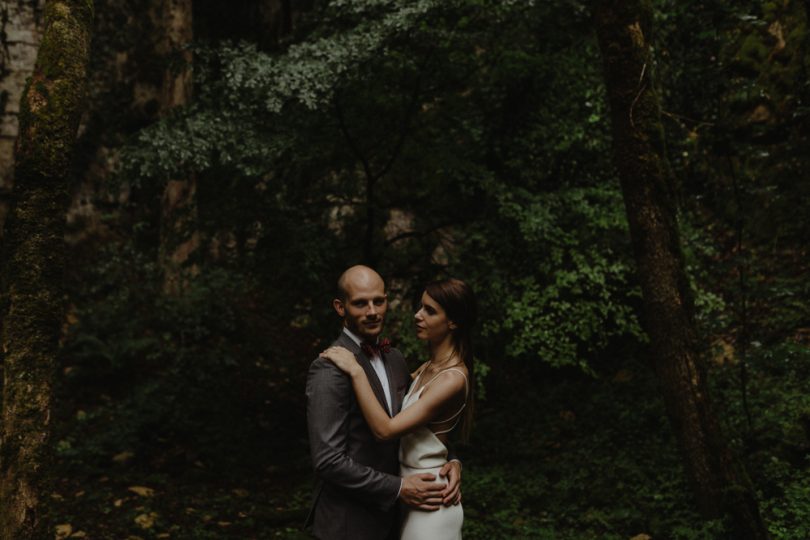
(431, 321)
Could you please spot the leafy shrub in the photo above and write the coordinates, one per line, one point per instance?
(170, 377)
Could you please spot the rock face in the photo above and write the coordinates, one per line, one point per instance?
(21, 22)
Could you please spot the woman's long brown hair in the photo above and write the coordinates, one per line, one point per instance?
(458, 301)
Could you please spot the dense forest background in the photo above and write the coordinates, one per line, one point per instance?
(233, 158)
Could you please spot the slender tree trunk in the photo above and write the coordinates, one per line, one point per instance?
(34, 259)
(19, 39)
(177, 25)
(179, 233)
(277, 22)
(720, 484)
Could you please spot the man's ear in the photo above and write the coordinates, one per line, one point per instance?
(339, 307)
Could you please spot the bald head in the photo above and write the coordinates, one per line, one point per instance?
(361, 301)
(357, 276)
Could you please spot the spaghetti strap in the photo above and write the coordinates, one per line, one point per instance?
(458, 412)
(443, 371)
(451, 428)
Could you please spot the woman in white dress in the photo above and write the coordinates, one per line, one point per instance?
(440, 399)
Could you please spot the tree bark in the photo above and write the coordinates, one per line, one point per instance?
(19, 36)
(177, 25)
(34, 259)
(179, 233)
(720, 484)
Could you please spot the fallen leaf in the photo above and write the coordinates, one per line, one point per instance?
(623, 376)
(239, 492)
(79, 534)
(568, 416)
(71, 317)
(143, 491)
(224, 523)
(118, 502)
(760, 114)
(146, 521)
(642, 536)
(123, 457)
(64, 530)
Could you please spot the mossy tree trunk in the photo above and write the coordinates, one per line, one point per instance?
(720, 485)
(33, 261)
(179, 232)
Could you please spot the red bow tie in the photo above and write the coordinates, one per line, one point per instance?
(373, 349)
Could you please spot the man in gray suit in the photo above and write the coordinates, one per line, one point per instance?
(357, 477)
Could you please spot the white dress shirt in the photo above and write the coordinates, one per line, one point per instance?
(379, 369)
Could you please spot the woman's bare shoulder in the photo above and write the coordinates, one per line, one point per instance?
(450, 380)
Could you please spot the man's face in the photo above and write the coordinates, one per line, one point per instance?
(363, 310)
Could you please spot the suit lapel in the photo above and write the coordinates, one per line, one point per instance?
(365, 363)
(396, 402)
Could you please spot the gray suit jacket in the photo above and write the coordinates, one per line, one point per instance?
(356, 477)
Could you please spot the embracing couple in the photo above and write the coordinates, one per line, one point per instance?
(379, 434)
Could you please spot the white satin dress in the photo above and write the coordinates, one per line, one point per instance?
(421, 451)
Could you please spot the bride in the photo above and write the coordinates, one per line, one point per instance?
(439, 400)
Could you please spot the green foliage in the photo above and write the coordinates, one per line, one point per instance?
(588, 459)
(245, 89)
(738, 148)
(777, 443)
(788, 515)
(488, 135)
(145, 368)
(466, 138)
(561, 288)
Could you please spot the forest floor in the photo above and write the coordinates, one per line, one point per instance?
(575, 457)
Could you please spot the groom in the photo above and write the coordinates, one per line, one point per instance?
(357, 477)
